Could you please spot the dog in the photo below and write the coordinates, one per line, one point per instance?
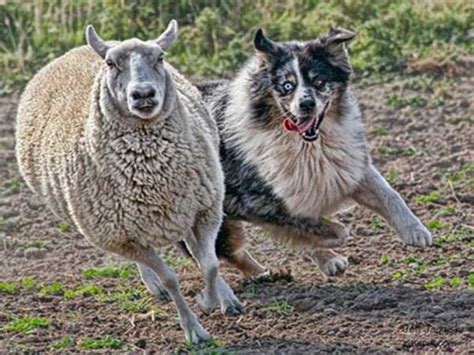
(294, 152)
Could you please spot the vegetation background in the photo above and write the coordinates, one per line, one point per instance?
(216, 36)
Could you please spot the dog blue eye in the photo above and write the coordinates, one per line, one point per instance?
(288, 86)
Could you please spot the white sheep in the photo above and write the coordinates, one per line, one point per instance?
(119, 143)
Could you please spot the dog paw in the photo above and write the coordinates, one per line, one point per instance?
(418, 236)
(330, 263)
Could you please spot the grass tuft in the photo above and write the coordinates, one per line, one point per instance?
(122, 272)
(100, 343)
(8, 287)
(433, 196)
(26, 324)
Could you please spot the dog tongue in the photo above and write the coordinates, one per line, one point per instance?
(289, 125)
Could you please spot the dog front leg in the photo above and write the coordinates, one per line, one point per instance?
(375, 193)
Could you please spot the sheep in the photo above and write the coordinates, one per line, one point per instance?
(120, 144)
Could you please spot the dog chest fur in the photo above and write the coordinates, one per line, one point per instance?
(312, 179)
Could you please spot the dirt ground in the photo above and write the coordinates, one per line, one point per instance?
(393, 298)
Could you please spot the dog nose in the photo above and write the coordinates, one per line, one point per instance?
(143, 91)
(307, 105)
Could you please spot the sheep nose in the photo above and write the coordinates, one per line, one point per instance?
(143, 91)
(307, 105)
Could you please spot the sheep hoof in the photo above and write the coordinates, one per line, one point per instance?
(232, 307)
(197, 334)
(204, 304)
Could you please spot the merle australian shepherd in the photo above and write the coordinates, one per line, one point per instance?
(294, 152)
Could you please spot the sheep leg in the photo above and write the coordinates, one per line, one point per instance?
(153, 283)
(194, 332)
(217, 291)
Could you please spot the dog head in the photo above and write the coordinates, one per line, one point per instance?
(304, 77)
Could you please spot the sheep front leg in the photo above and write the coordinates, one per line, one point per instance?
(375, 193)
(194, 332)
(217, 291)
(153, 283)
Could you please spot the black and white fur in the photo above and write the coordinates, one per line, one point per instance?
(290, 182)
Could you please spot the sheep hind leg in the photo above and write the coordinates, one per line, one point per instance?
(194, 332)
(217, 291)
(153, 283)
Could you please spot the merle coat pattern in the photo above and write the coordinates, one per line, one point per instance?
(291, 180)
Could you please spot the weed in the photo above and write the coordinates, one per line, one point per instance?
(399, 275)
(384, 259)
(62, 343)
(376, 224)
(397, 152)
(64, 227)
(434, 224)
(470, 280)
(12, 184)
(8, 287)
(178, 262)
(436, 283)
(28, 283)
(100, 343)
(26, 324)
(392, 177)
(122, 272)
(399, 101)
(433, 196)
(209, 347)
(56, 288)
(455, 281)
(379, 131)
(282, 307)
(85, 290)
(129, 300)
(449, 210)
(26, 245)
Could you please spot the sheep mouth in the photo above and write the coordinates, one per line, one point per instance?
(145, 108)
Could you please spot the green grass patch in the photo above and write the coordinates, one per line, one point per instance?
(433, 196)
(434, 224)
(401, 101)
(26, 324)
(436, 283)
(119, 272)
(64, 227)
(12, 184)
(28, 283)
(456, 281)
(392, 177)
(280, 307)
(397, 152)
(399, 275)
(56, 288)
(209, 347)
(178, 262)
(26, 245)
(8, 287)
(63, 343)
(376, 223)
(84, 290)
(470, 280)
(379, 131)
(130, 300)
(384, 259)
(100, 343)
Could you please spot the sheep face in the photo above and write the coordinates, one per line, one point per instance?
(137, 81)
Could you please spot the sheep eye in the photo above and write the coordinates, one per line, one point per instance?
(110, 63)
(160, 59)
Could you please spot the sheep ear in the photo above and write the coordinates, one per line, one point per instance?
(97, 43)
(265, 45)
(169, 36)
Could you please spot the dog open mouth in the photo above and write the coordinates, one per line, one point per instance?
(309, 128)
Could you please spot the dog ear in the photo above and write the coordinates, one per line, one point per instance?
(265, 45)
(334, 46)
